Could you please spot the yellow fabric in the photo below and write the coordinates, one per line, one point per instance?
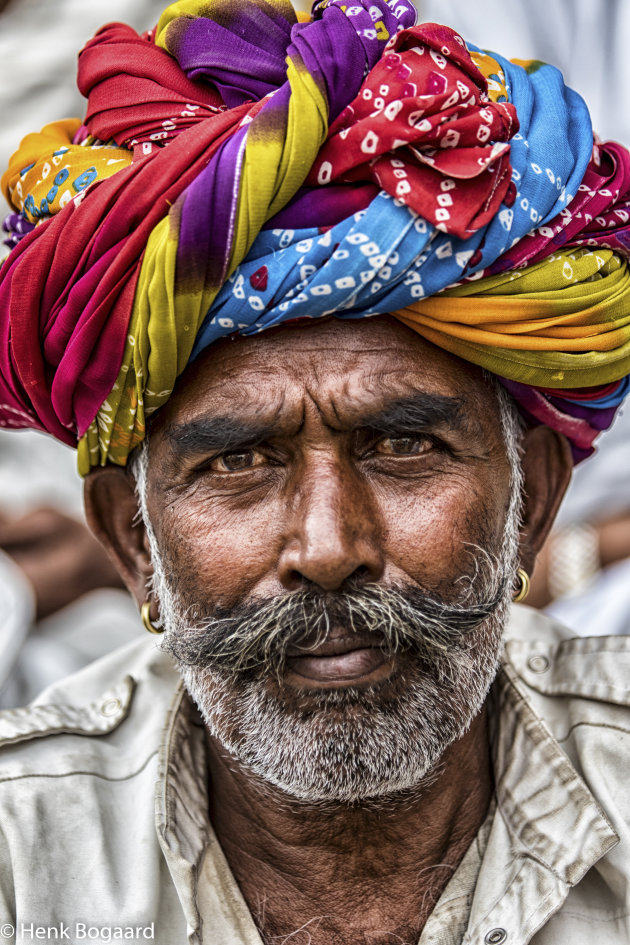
(158, 349)
(47, 170)
(274, 166)
(493, 74)
(562, 323)
(212, 10)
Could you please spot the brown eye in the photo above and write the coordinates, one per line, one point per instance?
(237, 461)
(403, 445)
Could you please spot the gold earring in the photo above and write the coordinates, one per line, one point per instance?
(523, 591)
(145, 616)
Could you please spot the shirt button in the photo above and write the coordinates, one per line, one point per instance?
(538, 664)
(495, 937)
(111, 707)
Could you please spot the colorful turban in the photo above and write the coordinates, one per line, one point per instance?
(237, 169)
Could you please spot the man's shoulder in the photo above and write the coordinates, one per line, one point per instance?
(121, 700)
(78, 800)
(560, 699)
(557, 666)
(579, 690)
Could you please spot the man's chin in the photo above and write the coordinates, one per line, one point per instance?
(341, 741)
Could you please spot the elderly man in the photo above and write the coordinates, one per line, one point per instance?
(328, 516)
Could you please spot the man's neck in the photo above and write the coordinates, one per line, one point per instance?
(350, 874)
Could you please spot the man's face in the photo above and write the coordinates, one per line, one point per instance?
(338, 495)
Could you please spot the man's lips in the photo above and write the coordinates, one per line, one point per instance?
(347, 658)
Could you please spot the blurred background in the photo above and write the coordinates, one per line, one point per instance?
(61, 602)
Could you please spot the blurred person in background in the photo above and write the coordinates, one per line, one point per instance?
(62, 603)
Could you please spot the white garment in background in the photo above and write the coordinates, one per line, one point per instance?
(17, 609)
(38, 471)
(602, 607)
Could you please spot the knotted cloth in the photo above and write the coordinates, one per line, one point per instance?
(238, 169)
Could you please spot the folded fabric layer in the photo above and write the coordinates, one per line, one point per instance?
(57, 170)
(238, 169)
(514, 325)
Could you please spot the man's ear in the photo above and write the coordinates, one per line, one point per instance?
(112, 512)
(547, 465)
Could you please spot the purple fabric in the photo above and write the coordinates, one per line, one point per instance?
(17, 227)
(201, 250)
(240, 69)
(245, 55)
(323, 206)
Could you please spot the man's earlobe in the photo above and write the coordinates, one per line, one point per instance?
(547, 465)
(112, 512)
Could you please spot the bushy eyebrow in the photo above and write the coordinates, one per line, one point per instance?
(216, 434)
(422, 411)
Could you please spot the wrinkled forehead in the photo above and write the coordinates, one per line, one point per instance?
(347, 370)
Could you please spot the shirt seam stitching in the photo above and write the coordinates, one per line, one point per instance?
(92, 774)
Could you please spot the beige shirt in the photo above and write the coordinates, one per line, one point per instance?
(104, 829)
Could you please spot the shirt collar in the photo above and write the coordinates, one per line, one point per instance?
(546, 833)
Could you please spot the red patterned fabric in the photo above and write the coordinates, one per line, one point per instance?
(448, 161)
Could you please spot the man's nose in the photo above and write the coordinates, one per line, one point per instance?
(333, 530)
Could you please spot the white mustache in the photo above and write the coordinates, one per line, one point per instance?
(255, 638)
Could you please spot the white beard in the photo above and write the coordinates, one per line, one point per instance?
(349, 745)
(353, 744)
